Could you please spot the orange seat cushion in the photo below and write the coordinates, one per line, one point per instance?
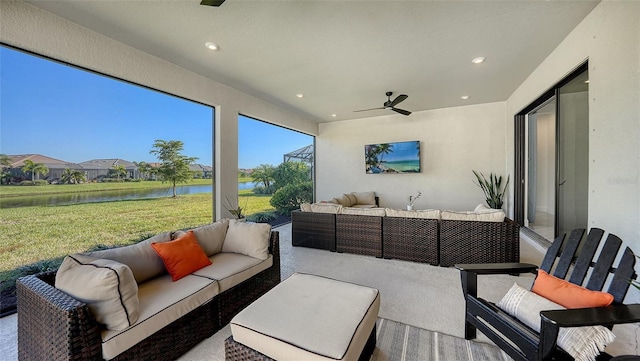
(568, 294)
(182, 256)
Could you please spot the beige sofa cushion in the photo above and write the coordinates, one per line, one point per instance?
(495, 216)
(308, 317)
(379, 212)
(143, 261)
(162, 301)
(107, 287)
(210, 236)
(231, 269)
(305, 207)
(250, 239)
(353, 200)
(326, 208)
(365, 197)
(422, 213)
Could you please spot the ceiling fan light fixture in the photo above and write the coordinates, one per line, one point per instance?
(478, 60)
(212, 46)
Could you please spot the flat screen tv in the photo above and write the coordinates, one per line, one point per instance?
(399, 157)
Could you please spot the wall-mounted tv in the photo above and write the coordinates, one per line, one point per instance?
(399, 157)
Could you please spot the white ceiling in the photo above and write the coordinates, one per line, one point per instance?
(343, 55)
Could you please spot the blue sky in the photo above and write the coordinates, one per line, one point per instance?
(74, 115)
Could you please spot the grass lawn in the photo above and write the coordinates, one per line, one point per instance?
(30, 234)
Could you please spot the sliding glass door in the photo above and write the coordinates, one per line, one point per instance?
(552, 159)
(573, 155)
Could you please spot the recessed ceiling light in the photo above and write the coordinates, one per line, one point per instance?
(212, 46)
(334, 115)
(478, 60)
(464, 97)
(586, 82)
(300, 95)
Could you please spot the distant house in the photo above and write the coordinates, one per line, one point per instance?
(99, 168)
(201, 171)
(56, 167)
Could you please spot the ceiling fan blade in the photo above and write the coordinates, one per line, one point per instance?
(364, 110)
(401, 111)
(398, 99)
(215, 3)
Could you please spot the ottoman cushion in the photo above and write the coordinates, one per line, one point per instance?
(309, 317)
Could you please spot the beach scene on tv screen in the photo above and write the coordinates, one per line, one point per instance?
(400, 157)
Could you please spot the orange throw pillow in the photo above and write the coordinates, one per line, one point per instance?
(568, 295)
(182, 256)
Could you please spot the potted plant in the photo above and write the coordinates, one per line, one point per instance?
(413, 199)
(236, 211)
(492, 188)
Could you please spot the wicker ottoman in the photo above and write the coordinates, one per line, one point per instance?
(307, 317)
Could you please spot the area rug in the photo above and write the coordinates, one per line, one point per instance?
(400, 342)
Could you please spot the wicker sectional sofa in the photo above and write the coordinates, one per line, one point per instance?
(173, 316)
(436, 237)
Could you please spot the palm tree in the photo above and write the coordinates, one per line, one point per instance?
(263, 174)
(381, 150)
(5, 164)
(145, 169)
(73, 176)
(119, 170)
(34, 168)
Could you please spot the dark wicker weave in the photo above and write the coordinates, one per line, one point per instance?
(235, 351)
(479, 242)
(55, 326)
(359, 234)
(314, 230)
(410, 239)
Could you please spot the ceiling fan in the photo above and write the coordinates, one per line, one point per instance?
(215, 3)
(389, 104)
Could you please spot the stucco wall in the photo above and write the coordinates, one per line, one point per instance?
(609, 37)
(453, 142)
(32, 29)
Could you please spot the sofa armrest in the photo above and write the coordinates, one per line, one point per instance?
(53, 325)
(274, 248)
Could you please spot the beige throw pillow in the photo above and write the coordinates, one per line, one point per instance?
(106, 286)
(583, 343)
(211, 236)
(344, 201)
(365, 197)
(140, 257)
(250, 239)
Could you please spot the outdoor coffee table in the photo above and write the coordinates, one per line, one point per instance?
(307, 317)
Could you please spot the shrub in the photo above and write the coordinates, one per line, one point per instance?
(37, 182)
(262, 217)
(264, 190)
(291, 196)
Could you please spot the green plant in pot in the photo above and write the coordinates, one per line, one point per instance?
(493, 188)
(236, 211)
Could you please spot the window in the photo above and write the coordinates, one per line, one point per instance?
(86, 139)
(276, 167)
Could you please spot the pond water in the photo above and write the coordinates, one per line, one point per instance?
(107, 196)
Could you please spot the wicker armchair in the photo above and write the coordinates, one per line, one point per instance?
(479, 242)
(54, 326)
